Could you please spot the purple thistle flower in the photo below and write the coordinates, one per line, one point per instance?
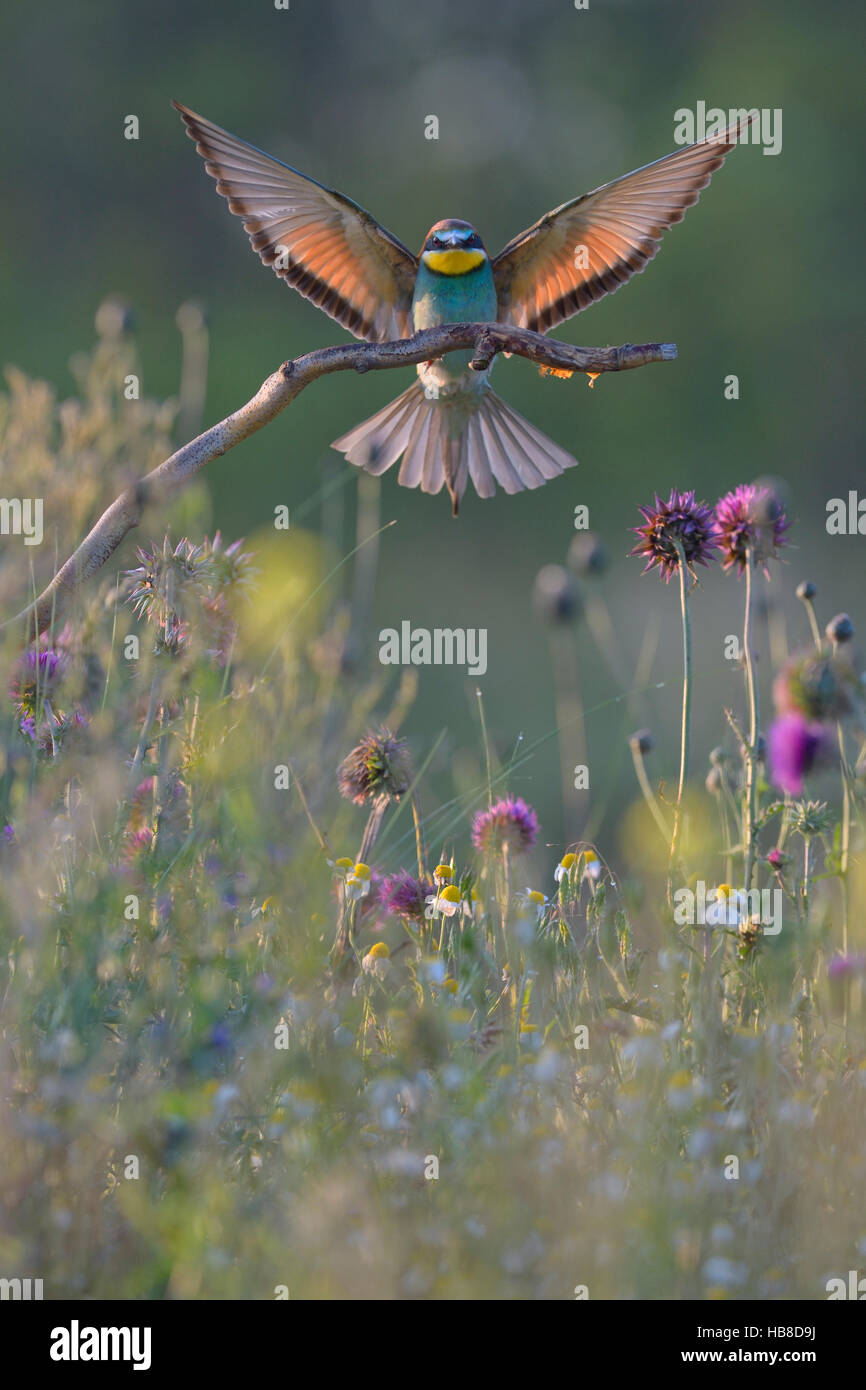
(137, 842)
(776, 859)
(38, 672)
(402, 895)
(750, 520)
(680, 519)
(510, 822)
(796, 744)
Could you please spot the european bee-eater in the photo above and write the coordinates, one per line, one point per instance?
(450, 426)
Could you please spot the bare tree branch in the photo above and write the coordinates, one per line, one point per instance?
(279, 390)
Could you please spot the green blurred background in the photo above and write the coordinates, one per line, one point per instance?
(537, 102)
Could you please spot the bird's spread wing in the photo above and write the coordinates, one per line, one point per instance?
(589, 247)
(331, 250)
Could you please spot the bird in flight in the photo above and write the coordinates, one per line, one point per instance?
(450, 427)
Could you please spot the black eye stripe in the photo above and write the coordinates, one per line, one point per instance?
(464, 243)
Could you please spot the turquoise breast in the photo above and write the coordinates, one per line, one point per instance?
(469, 298)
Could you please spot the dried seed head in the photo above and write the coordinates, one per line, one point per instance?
(379, 766)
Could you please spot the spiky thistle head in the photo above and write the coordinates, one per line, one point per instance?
(379, 766)
(231, 567)
(750, 521)
(509, 822)
(681, 522)
(811, 817)
(157, 579)
(183, 588)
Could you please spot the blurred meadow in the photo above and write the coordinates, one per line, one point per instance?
(294, 1004)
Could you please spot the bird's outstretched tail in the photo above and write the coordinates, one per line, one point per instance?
(448, 441)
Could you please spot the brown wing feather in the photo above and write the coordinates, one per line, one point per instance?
(317, 240)
(540, 277)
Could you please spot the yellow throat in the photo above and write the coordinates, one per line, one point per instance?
(453, 262)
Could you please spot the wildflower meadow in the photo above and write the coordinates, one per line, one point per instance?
(282, 1018)
(432, 678)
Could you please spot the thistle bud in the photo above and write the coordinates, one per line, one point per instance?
(114, 318)
(641, 741)
(191, 317)
(587, 554)
(840, 629)
(555, 595)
